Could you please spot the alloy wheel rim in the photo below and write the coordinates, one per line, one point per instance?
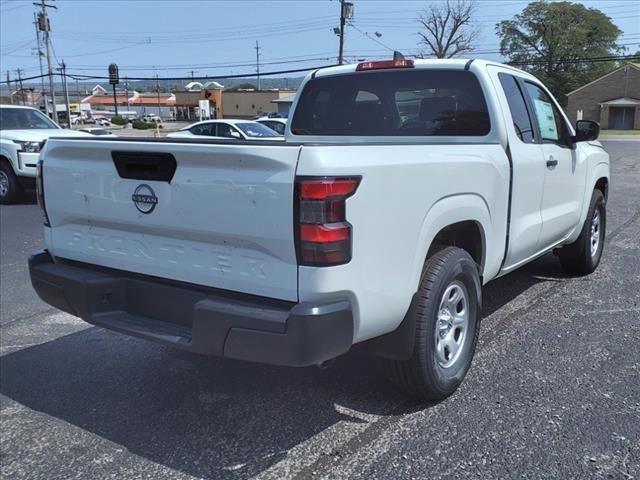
(4, 184)
(595, 233)
(452, 324)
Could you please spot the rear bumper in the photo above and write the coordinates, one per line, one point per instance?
(194, 318)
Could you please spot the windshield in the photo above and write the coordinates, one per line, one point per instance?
(277, 127)
(256, 130)
(24, 119)
(387, 103)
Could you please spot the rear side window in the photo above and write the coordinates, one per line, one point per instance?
(518, 107)
(393, 103)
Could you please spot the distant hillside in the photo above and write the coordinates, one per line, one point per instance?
(265, 83)
(291, 83)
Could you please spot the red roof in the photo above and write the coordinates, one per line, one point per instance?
(152, 101)
(105, 100)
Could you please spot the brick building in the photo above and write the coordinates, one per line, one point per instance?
(250, 103)
(613, 99)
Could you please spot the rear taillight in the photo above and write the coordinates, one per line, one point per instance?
(323, 235)
(40, 193)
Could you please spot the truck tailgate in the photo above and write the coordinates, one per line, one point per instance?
(224, 219)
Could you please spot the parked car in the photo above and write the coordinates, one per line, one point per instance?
(269, 115)
(238, 129)
(98, 131)
(359, 229)
(151, 118)
(22, 131)
(278, 125)
(97, 120)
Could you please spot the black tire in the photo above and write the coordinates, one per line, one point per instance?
(578, 257)
(10, 188)
(423, 375)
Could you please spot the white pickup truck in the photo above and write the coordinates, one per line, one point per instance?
(22, 131)
(402, 187)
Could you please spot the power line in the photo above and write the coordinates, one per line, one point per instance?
(203, 77)
(211, 37)
(366, 34)
(307, 69)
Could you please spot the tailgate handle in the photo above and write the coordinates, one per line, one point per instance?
(145, 165)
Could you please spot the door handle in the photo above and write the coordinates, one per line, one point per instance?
(552, 163)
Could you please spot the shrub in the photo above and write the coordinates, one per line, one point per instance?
(140, 125)
(118, 120)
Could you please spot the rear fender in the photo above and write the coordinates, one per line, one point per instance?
(445, 212)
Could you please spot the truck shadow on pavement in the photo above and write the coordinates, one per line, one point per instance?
(27, 197)
(203, 416)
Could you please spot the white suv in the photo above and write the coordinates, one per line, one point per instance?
(22, 131)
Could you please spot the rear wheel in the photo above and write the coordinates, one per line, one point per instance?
(10, 188)
(583, 256)
(447, 325)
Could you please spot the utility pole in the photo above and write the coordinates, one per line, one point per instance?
(19, 72)
(44, 25)
(346, 12)
(63, 74)
(40, 55)
(126, 90)
(9, 86)
(257, 47)
(158, 94)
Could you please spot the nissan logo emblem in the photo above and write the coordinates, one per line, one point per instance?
(144, 199)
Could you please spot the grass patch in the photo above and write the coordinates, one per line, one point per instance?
(609, 133)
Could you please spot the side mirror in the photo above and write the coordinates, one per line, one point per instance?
(586, 130)
(236, 135)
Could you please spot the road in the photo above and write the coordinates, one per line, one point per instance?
(554, 391)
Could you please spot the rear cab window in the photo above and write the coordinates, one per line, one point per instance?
(420, 102)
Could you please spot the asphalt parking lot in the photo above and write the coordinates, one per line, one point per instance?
(554, 391)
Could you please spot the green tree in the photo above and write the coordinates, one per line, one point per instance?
(552, 40)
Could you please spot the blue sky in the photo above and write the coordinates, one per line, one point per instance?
(218, 37)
